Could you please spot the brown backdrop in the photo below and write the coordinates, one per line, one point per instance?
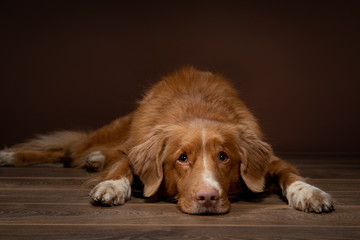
(80, 65)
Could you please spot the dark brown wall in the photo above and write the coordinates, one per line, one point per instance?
(80, 65)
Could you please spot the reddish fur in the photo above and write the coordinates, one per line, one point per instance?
(148, 142)
(283, 173)
(24, 157)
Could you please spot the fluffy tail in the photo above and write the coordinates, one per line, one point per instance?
(49, 148)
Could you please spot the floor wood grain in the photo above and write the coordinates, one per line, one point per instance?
(50, 202)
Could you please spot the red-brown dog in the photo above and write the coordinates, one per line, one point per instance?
(191, 138)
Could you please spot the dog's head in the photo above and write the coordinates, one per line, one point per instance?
(197, 162)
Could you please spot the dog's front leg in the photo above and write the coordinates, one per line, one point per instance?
(114, 187)
(299, 194)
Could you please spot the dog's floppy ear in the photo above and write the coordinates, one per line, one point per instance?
(255, 159)
(147, 160)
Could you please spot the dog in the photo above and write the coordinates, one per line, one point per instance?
(190, 139)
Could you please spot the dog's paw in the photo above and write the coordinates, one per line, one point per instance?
(95, 161)
(307, 198)
(111, 192)
(6, 158)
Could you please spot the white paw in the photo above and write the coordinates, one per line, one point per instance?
(112, 192)
(6, 158)
(95, 161)
(308, 198)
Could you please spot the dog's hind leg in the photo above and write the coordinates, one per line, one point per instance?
(49, 148)
(20, 157)
(99, 158)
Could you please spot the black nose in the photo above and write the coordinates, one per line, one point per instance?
(207, 197)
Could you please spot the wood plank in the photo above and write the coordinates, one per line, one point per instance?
(42, 172)
(43, 183)
(327, 166)
(144, 214)
(333, 172)
(56, 196)
(44, 196)
(346, 198)
(330, 185)
(176, 232)
(340, 197)
(320, 158)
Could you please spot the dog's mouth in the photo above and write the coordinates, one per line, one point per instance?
(209, 212)
(205, 211)
(195, 208)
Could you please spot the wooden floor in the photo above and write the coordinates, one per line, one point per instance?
(51, 203)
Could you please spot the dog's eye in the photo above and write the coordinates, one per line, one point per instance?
(223, 156)
(183, 158)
